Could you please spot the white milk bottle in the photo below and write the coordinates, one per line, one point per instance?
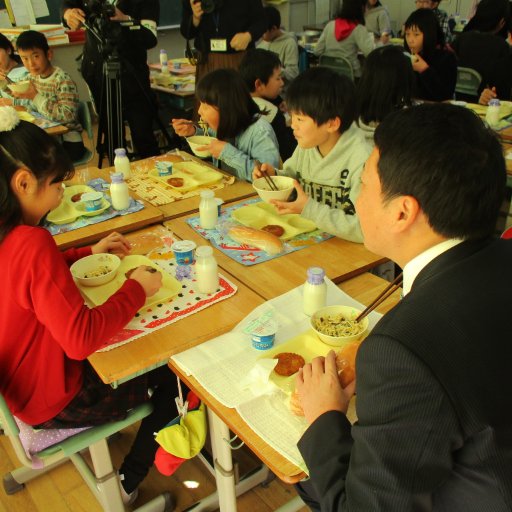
(122, 162)
(119, 192)
(315, 291)
(208, 210)
(207, 274)
(492, 116)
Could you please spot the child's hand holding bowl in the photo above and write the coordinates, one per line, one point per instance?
(284, 207)
(215, 147)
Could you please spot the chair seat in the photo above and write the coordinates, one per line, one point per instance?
(86, 158)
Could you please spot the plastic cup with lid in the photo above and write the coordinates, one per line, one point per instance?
(183, 251)
(92, 201)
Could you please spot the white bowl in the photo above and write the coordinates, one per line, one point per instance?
(283, 183)
(104, 264)
(20, 87)
(197, 141)
(349, 313)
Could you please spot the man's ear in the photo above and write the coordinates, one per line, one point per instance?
(407, 210)
(23, 182)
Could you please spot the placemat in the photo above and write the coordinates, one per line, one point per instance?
(100, 185)
(186, 303)
(157, 193)
(250, 255)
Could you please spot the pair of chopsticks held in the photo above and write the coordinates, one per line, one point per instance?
(268, 179)
(382, 296)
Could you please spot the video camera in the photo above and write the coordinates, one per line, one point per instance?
(209, 6)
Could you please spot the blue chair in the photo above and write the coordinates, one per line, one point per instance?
(84, 118)
(101, 479)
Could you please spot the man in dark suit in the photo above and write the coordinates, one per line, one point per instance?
(434, 386)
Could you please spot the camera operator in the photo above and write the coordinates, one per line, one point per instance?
(223, 30)
(132, 46)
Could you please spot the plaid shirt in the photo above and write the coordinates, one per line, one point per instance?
(443, 18)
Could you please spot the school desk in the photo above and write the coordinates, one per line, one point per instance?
(122, 223)
(222, 420)
(340, 259)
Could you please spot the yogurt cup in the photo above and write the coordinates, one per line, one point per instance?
(92, 201)
(184, 251)
(176, 65)
(263, 336)
(164, 168)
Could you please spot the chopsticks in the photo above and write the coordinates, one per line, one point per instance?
(268, 179)
(393, 286)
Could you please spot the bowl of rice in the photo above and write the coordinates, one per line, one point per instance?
(336, 325)
(96, 269)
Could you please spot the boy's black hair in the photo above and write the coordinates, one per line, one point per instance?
(488, 15)
(352, 10)
(387, 84)
(323, 94)
(449, 161)
(226, 90)
(272, 16)
(426, 21)
(27, 146)
(31, 39)
(258, 64)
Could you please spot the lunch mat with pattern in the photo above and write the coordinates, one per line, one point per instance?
(155, 191)
(100, 185)
(186, 303)
(243, 253)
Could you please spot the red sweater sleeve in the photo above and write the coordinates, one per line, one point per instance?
(47, 288)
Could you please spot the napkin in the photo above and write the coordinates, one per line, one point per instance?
(258, 379)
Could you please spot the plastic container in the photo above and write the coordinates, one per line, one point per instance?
(122, 163)
(264, 336)
(163, 62)
(92, 201)
(315, 291)
(164, 168)
(492, 116)
(207, 271)
(208, 211)
(119, 192)
(183, 251)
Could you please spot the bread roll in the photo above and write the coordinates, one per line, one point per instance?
(268, 242)
(346, 363)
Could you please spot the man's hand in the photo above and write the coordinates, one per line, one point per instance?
(240, 41)
(197, 11)
(74, 18)
(115, 243)
(487, 95)
(120, 16)
(296, 206)
(319, 388)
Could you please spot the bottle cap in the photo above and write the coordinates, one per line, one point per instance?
(315, 275)
(203, 251)
(495, 102)
(206, 194)
(117, 177)
(120, 152)
(163, 51)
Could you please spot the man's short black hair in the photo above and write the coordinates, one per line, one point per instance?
(31, 39)
(258, 64)
(273, 17)
(323, 94)
(446, 158)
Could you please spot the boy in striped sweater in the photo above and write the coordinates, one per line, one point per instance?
(52, 92)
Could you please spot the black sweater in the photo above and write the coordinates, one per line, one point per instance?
(437, 83)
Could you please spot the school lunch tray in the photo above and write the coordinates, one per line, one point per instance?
(262, 214)
(97, 295)
(69, 210)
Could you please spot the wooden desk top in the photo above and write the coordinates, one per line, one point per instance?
(363, 288)
(340, 259)
(155, 349)
(122, 223)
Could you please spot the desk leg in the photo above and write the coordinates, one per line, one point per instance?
(223, 462)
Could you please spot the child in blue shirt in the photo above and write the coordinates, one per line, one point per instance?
(240, 134)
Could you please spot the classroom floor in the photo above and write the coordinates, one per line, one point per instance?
(63, 490)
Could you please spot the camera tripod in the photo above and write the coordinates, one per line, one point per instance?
(110, 108)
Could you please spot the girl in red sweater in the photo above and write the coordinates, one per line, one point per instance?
(46, 331)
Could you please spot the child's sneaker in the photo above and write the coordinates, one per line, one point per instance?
(128, 498)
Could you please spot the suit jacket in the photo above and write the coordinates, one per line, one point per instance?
(434, 398)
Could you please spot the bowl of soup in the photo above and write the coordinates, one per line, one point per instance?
(20, 87)
(284, 185)
(96, 269)
(197, 141)
(336, 325)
